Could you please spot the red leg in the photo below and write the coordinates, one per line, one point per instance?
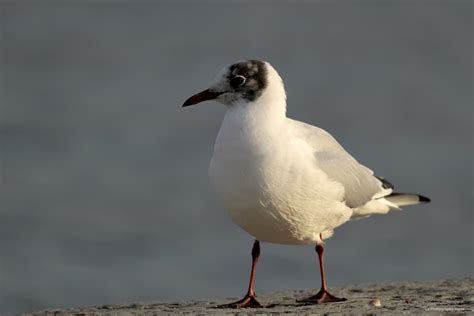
(249, 299)
(323, 296)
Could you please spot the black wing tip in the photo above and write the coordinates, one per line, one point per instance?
(421, 198)
(424, 199)
(385, 183)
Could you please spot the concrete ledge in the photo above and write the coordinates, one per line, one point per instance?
(454, 296)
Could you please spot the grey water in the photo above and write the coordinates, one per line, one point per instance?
(104, 190)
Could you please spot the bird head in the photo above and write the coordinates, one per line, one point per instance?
(243, 81)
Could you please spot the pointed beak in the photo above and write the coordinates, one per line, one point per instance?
(201, 97)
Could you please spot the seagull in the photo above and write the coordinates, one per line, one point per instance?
(281, 180)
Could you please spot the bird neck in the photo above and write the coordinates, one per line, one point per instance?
(267, 111)
(260, 116)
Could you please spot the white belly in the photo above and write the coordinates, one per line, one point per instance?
(274, 197)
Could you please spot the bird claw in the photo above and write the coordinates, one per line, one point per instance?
(323, 296)
(249, 301)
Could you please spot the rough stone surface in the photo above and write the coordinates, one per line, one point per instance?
(454, 297)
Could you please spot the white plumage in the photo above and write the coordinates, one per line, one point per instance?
(281, 180)
(285, 181)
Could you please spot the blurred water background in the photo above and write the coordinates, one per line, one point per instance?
(104, 188)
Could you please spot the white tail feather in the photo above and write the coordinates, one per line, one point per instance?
(385, 204)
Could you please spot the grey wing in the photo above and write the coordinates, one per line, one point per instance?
(360, 184)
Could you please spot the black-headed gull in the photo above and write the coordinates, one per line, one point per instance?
(281, 180)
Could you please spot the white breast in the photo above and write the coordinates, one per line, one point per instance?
(269, 182)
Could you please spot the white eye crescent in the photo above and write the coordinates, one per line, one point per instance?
(237, 81)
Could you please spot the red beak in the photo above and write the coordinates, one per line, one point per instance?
(201, 96)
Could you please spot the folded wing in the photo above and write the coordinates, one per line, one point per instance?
(360, 184)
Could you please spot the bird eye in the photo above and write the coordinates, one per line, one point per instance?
(237, 81)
